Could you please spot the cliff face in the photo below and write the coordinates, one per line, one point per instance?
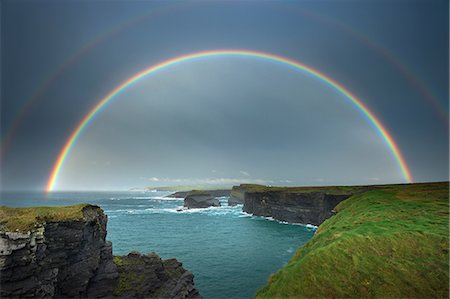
(237, 195)
(386, 243)
(59, 259)
(64, 258)
(295, 207)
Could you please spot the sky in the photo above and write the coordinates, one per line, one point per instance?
(223, 120)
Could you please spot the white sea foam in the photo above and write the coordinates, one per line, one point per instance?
(248, 215)
(245, 214)
(213, 211)
(210, 211)
(165, 198)
(161, 210)
(310, 226)
(130, 197)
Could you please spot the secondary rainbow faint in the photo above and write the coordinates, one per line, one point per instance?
(7, 138)
(387, 138)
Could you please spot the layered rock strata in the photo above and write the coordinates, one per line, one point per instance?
(70, 258)
(294, 207)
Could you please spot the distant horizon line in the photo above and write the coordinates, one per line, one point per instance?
(268, 185)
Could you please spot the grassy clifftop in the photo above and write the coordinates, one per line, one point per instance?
(389, 242)
(23, 219)
(326, 189)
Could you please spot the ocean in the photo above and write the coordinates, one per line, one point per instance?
(231, 253)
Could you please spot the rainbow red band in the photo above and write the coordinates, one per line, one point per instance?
(243, 53)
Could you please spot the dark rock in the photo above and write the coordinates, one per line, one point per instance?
(294, 207)
(147, 276)
(200, 200)
(72, 259)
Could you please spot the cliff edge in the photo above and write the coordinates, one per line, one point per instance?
(306, 205)
(62, 252)
(391, 242)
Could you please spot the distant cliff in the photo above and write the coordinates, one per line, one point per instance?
(307, 208)
(61, 252)
(307, 205)
(237, 195)
(213, 193)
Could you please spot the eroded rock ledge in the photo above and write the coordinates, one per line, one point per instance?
(62, 252)
(306, 205)
(306, 208)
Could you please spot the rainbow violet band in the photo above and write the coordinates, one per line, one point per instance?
(241, 53)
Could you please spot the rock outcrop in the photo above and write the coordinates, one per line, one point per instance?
(294, 207)
(69, 257)
(147, 276)
(195, 200)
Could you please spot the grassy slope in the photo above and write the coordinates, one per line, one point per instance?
(326, 189)
(24, 219)
(391, 242)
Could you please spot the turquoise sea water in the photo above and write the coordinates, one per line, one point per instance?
(231, 253)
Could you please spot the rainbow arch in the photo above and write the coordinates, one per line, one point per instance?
(388, 139)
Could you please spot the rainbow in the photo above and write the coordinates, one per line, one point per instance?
(241, 53)
(402, 68)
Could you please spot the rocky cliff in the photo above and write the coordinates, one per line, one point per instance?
(391, 242)
(62, 252)
(307, 205)
(237, 195)
(307, 208)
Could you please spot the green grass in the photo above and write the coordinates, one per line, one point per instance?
(172, 270)
(128, 280)
(24, 219)
(336, 190)
(391, 243)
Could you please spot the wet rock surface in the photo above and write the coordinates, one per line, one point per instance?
(203, 200)
(307, 208)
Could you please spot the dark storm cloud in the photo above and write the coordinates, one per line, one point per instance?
(38, 37)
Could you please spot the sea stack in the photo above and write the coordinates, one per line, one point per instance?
(200, 199)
